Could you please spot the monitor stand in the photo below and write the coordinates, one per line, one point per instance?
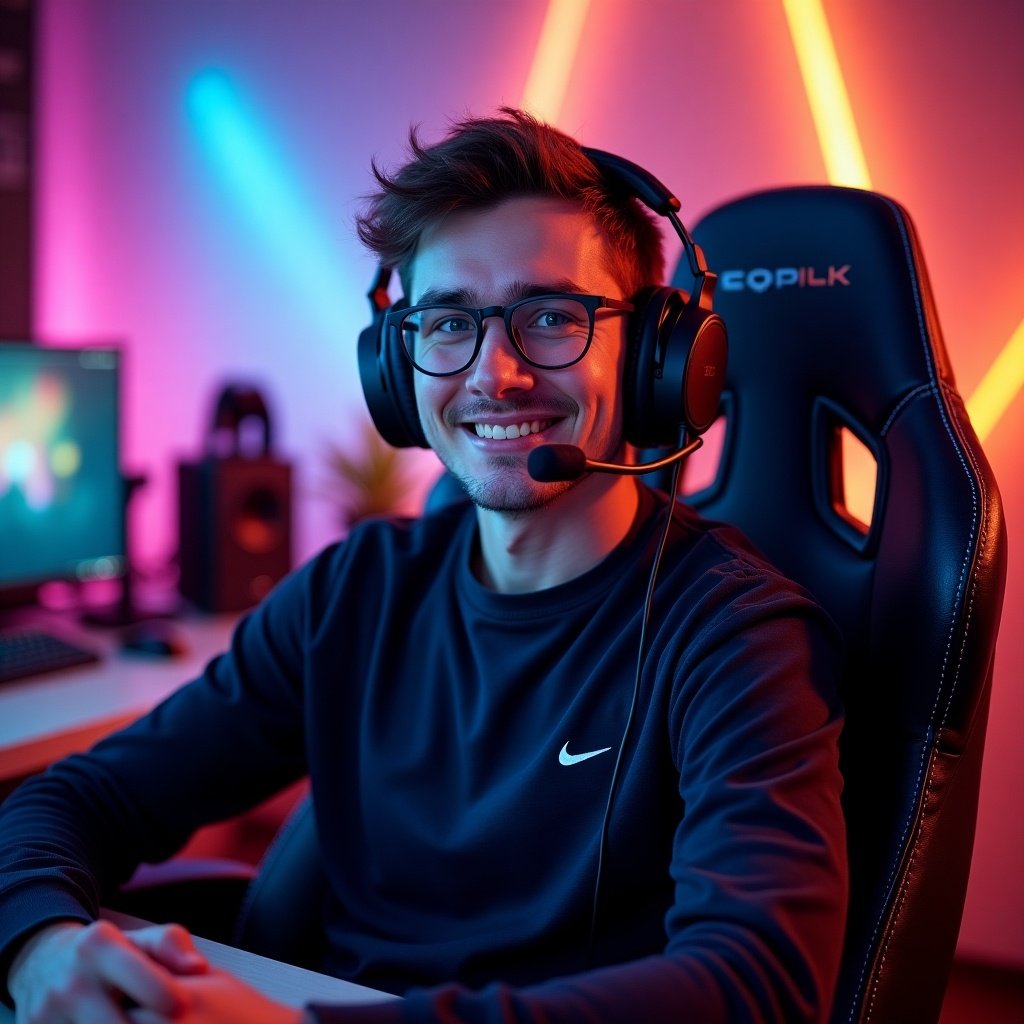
(125, 612)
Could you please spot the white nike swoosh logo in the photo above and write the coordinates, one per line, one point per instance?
(564, 757)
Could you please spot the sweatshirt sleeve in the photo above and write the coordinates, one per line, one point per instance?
(138, 795)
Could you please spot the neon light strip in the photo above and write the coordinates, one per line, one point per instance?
(826, 94)
(845, 165)
(999, 387)
(265, 190)
(548, 81)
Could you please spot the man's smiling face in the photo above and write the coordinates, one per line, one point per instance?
(484, 422)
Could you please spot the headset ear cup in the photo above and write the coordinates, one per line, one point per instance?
(387, 381)
(675, 368)
(640, 420)
(707, 350)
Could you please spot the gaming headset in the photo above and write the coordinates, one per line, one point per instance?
(676, 348)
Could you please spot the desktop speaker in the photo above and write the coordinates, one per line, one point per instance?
(235, 530)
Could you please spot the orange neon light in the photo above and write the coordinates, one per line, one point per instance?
(845, 165)
(548, 81)
(826, 94)
(999, 387)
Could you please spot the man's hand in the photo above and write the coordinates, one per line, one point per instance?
(220, 998)
(69, 973)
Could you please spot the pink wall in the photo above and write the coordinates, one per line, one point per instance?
(143, 238)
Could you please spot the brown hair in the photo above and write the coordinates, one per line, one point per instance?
(483, 161)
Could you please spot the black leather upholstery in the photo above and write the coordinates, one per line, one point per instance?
(917, 596)
(291, 877)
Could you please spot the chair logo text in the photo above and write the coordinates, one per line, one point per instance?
(760, 279)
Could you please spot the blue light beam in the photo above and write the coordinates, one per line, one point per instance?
(266, 191)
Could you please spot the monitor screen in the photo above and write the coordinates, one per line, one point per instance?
(61, 490)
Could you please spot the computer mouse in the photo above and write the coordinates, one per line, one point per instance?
(154, 639)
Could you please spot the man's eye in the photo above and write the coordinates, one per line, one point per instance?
(551, 320)
(556, 323)
(456, 325)
(450, 324)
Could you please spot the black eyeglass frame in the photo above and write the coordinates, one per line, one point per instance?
(592, 303)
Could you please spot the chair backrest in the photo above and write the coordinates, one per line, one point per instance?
(832, 327)
(281, 915)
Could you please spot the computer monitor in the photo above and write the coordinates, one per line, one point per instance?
(62, 513)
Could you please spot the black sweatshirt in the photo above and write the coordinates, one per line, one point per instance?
(461, 746)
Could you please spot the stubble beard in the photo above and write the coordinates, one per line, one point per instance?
(503, 489)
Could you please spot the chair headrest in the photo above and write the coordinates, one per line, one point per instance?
(828, 282)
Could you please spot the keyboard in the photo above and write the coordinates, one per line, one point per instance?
(30, 652)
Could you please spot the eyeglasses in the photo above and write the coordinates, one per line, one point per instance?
(550, 332)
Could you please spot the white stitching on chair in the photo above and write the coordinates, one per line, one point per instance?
(982, 543)
(936, 390)
(921, 389)
(923, 336)
(928, 788)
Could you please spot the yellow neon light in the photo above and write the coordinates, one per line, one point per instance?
(548, 80)
(845, 165)
(826, 93)
(999, 387)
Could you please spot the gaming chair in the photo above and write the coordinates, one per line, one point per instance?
(832, 326)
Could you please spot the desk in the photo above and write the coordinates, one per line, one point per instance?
(47, 717)
(292, 986)
(44, 718)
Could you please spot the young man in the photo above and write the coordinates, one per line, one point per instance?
(458, 688)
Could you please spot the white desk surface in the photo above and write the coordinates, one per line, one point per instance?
(45, 717)
(290, 985)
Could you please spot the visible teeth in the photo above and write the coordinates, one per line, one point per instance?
(500, 433)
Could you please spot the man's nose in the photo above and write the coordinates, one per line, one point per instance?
(498, 367)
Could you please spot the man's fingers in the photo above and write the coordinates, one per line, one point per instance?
(172, 946)
(83, 1003)
(145, 1017)
(96, 1006)
(120, 964)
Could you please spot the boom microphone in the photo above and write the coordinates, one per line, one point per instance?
(553, 463)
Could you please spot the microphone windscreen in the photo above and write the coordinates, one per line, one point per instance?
(551, 463)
